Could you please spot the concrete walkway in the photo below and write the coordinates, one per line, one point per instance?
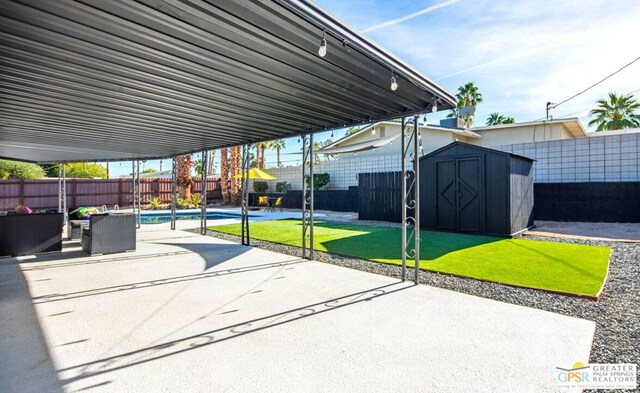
(188, 313)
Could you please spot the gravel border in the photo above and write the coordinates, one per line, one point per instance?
(617, 313)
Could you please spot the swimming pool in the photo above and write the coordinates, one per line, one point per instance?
(159, 218)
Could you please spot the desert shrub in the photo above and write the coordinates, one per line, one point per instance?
(196, 199)
(182, 203)
(154, 204)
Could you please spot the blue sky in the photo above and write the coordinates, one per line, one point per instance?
(520, 53)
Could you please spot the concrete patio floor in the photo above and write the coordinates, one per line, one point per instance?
(192, 313)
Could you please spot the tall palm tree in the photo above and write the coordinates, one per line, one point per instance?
(234, 168)
(495, 118)
(260, 149)
(467, 95)
(184, 176)
(278, 144)
(617, 113)
(224, 175)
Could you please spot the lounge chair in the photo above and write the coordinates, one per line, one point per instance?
(278, 204)
(109, 233)
(264, 202)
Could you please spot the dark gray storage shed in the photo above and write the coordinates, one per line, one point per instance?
(468, 188)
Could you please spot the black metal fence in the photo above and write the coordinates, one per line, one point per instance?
(380, 199)
(589, 202)
(380, 196)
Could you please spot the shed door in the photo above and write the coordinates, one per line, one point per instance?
(460, 194)
(446, 209)
(470, 185)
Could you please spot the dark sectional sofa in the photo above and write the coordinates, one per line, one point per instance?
(24, 234)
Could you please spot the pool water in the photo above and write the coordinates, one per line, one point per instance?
(159, 218)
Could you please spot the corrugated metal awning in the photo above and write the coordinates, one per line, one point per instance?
(108, 80)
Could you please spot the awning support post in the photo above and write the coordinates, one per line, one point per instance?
(203, 194)
(174, 190)
(307, 196)
(246, 162)
(62, 194)
(410, 198)
(417, 145)
(135, 166)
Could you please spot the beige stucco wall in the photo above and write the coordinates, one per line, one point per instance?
(523, 134)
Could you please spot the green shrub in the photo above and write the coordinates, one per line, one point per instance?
(20, 170)
(196, 199)
(86, 170)
(260, 186)
(319, 180)
(154, 204)
(283, 186)
(182, 203)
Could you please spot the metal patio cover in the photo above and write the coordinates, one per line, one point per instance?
(118, 80)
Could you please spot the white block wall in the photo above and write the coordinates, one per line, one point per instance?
(610, 158)
(342, 172)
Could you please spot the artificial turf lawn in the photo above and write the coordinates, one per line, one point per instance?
(562, 267)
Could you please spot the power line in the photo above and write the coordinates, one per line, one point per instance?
(595, 84)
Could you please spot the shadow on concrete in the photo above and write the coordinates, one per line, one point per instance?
(25, 363)
(193, 342)
(79, 258)
(162, 281)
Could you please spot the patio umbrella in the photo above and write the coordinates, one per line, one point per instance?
(255, 173)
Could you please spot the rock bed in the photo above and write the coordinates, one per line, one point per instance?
(617, 313)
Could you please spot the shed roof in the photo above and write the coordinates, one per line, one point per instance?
(481, 148)
(105, 80)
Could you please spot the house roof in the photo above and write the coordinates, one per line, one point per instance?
(572, 124)
(105, 80)
(364, 129)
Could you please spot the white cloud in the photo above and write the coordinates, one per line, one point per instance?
(410, 16)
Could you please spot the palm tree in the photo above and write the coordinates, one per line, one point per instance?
(616, 114)
(467, 95)
(184, 176)
(495, 118)
(260, 149)
(224, 175)
(351, 130)
(278, 144)
(319, 145)
(235, 168)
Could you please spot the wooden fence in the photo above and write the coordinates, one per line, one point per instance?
(43, 194)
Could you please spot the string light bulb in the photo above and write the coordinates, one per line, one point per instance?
(322, 51)
(394, 83)
(434, 107)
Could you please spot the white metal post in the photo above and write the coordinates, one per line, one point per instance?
(174, 189)
(203, 194)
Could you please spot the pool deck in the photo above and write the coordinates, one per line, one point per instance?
(192, 313)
